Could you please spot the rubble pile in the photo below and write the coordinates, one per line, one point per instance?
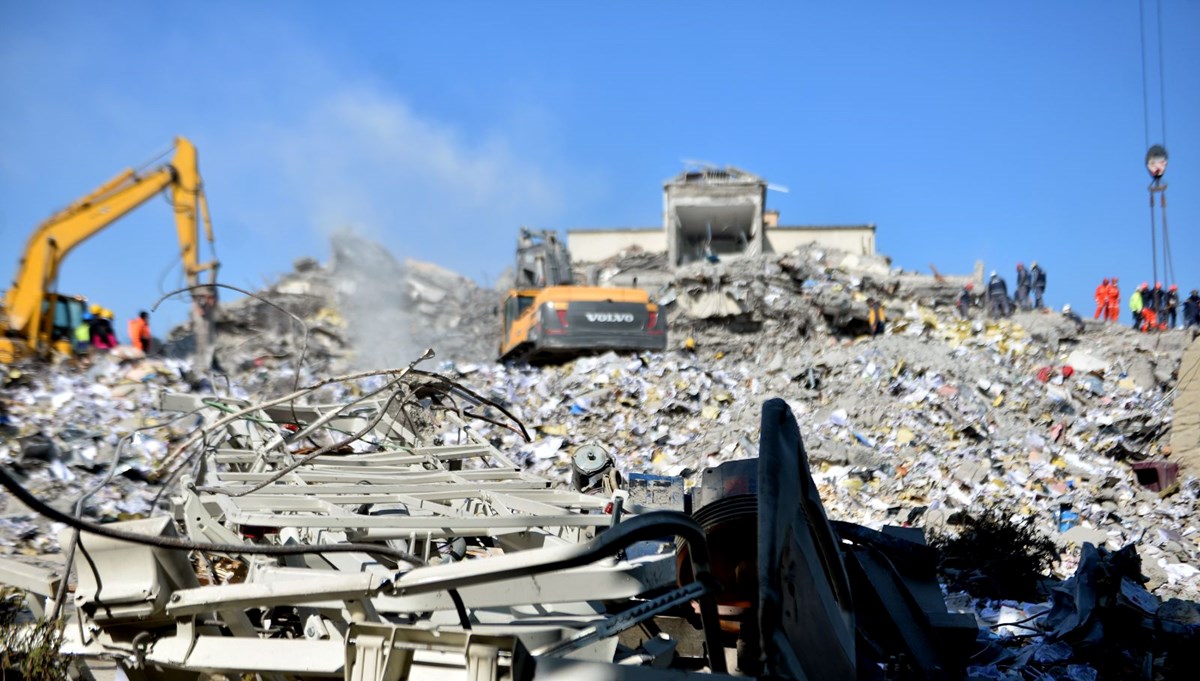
(904, 428)
(63, 431)
(939, 415)
(365, 309)
(261, 339)
(937, 418)
(394, 310)
(811, 292)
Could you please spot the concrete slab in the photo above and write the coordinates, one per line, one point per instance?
(1185, 424)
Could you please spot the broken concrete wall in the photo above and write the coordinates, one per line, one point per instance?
(713, 212)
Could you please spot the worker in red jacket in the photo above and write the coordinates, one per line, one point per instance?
(1102, 295)
(1113, 312)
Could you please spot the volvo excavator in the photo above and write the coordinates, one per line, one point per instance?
(548, 317)
(36, 320)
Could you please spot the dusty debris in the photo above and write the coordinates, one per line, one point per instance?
(937, 417)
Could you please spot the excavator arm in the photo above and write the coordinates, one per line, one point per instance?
(63, 231)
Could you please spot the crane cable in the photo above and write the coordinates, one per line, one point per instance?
(1168, 260)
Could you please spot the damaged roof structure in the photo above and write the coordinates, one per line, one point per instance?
(713, 212)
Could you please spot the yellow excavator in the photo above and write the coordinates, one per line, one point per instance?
(36, 320)
(548, 317)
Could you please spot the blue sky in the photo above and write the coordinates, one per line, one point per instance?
(997, 131)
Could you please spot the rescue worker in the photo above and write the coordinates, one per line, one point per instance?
(963, 304)
(1037, 279)
(997, 296)
(83, 336)
(875, 316)
(97, 334)
(1136, 304)
(1102, 295)
(106, 328)
(1113, 312)
(1069, 314)
(1191, 310)
(1150, 309)
(1172, 305)
(1021, 302)
(139, 332)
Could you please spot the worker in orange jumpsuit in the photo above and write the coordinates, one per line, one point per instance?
(1113, 311)
(1102, 295)
(139, 331)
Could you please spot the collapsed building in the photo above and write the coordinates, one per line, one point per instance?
(711, 213)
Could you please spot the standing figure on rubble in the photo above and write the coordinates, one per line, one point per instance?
(1021, 302)
(139, 332)
(1037, 279)
(1103, 292)
(109, 332)
(83, 336)
(1172, 305)
(1191, 310)
(100, 332)
(997, 296)
(1149, 313)
(1112, 313)
(1159, 299)
(1136, 303)
(875, 316)
(963, 304)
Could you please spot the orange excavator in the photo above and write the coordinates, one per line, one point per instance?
(36, 320)
(548, 317)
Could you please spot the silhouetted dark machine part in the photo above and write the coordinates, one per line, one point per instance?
(785, 592)
(726, 505)
(787, 575)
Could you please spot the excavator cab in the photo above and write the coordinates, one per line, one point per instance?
(61, 314)
(68, 314)
(514, 306)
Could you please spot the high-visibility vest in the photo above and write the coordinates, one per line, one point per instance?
(1135, 302)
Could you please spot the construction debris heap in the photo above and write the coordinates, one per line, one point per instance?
(425, 478)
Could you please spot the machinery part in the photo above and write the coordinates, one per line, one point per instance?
(632, 617)
(803, 589)
(588, 464)
(725, 504)
(620, 536)
(178, 543)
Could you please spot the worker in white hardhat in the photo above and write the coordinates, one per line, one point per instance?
(1069, 314)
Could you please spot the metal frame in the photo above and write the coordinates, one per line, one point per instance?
(542, 564)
